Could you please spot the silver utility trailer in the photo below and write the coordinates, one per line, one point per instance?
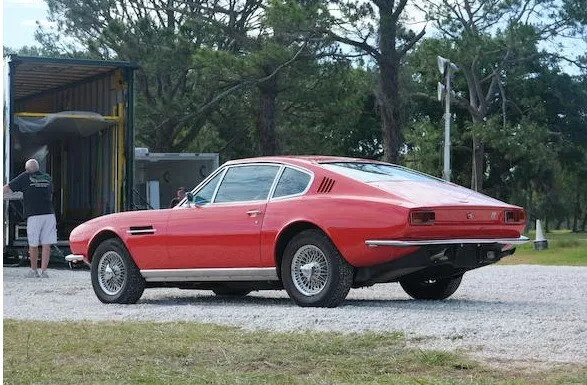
(159, 175)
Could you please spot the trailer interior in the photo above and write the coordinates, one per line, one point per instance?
(75, 117)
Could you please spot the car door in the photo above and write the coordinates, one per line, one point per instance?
(223, 228)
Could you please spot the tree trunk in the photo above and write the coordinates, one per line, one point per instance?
(266, 118)
(478, 164)
(388, 95)
(388, 99)
(163, 140)
(576, 212)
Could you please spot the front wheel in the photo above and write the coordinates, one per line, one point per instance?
(435, 289)
(313, 271)
(115, 277)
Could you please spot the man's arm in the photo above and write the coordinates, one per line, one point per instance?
(14, 185)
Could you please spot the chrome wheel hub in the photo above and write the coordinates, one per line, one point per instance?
(108, 273)
(111, 273)
(309, 270)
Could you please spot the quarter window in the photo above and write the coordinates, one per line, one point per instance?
(246, 183)
(291, 182)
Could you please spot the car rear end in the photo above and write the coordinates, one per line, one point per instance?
(448, 229)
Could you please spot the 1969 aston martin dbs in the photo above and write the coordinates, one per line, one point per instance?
(315, 226)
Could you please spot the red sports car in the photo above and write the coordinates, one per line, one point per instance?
(316, 226)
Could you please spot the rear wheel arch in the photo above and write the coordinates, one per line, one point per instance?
(287, 235)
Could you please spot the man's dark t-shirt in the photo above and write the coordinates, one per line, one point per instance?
(174, 202)
(37, 190)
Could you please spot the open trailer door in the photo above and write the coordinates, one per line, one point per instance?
(76, 118)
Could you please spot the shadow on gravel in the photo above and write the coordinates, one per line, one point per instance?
(217, 301)
(454, 305)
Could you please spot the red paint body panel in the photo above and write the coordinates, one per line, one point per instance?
(215, 236)
(147, 250)
(348, 211)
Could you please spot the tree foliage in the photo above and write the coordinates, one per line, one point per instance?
(357, 78)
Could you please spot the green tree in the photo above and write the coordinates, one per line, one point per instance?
(489, 38)
(376, 29)
(191, 56)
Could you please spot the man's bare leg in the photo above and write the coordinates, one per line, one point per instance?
(34, 257)
(45, 254)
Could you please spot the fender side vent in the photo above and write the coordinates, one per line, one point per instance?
(141, 230)
(326, 185)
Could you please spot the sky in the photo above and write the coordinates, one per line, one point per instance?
(19, 21)
(21, 17)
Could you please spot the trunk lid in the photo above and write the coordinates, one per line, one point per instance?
(437, 193)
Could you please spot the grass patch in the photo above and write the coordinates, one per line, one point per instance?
(189, 353)
(564, 249)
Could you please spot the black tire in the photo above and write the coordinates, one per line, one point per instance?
(130, 284)
(230, 292)
(431, 289)
(338, 272)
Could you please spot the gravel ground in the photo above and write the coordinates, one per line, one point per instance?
(500, 313)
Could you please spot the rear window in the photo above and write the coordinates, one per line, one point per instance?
(376, 172)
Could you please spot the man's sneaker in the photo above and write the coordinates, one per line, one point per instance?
(44, 275)
(32, 274)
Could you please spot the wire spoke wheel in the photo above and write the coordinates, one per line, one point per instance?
(112, 273)
(313, 271)
(309, 270)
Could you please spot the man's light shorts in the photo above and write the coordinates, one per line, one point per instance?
(41, 230)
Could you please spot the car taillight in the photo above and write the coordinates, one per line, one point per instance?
(515, 216)
(422, 217)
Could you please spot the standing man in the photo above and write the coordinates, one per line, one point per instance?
(37, 190)
(178, 198)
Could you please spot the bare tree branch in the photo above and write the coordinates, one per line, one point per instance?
(408, 46)
(357, 44)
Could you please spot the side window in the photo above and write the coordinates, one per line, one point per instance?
(246, 183)
(204, 195)
(291, 182)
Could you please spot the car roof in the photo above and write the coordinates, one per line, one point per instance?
(300, 159)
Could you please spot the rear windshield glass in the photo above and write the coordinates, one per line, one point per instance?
(376, 172)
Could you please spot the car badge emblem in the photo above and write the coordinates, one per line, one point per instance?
(493, 215)
(470, 215)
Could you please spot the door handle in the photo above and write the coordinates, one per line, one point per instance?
(253, 213)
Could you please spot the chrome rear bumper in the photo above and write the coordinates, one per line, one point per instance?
(481, 241)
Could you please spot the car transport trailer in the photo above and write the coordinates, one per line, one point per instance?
(75, 116)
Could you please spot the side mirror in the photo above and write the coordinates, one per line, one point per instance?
(191, 200)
